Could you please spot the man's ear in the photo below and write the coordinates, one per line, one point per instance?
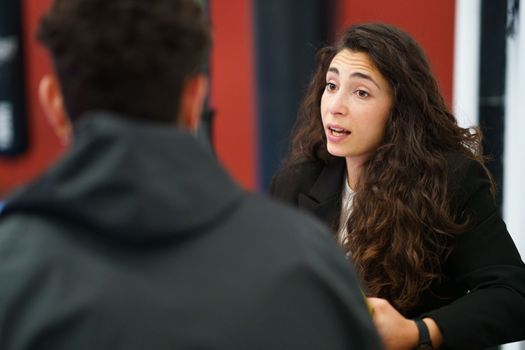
(192, 102)
(53, 105)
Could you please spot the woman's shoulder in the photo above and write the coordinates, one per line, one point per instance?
(468, 179)
(295, 178)
(301, 169)
(462, 170)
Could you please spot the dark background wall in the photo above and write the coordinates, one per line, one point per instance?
(492, 72)
(287, 36)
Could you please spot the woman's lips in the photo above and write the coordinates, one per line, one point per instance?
(335, 133)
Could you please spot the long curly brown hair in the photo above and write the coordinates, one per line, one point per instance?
(401, 226)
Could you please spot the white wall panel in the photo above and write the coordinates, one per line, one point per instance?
(514, 149)
(466, 62)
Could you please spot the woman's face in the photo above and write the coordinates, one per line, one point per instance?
(355, 106)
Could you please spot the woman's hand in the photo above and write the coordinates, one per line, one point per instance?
(398, 332)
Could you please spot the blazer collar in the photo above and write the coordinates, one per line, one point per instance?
(324, 197)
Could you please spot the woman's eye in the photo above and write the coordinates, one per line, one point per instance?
(362, 93)
(330, 86)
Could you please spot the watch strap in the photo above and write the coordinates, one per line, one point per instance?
(424, 335)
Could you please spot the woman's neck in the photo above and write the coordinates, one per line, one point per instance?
(354, 166)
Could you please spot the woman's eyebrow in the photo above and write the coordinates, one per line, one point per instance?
(356, 75)
(333, 70)
(365, 76)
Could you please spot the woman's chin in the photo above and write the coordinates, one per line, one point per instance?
(334, 151)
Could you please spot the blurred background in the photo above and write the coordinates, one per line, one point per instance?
(261, 60)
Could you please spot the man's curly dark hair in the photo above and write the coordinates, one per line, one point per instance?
(126, 56)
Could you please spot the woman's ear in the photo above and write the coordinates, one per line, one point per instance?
(192, 99)
(53, 105)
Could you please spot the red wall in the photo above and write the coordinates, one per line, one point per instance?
(431, 23)
(231, 90)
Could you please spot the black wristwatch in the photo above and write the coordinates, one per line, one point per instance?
(424, 335)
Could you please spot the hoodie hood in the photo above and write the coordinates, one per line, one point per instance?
(131, 179)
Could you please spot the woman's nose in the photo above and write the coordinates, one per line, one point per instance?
(338, 105)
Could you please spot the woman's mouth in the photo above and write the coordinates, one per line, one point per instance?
(336, 134)
(337, 131)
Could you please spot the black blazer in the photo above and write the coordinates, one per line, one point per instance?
(480, 301)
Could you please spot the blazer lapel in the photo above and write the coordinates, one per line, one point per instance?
(324, 197)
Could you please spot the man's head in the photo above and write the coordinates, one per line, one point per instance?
(134, 57)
